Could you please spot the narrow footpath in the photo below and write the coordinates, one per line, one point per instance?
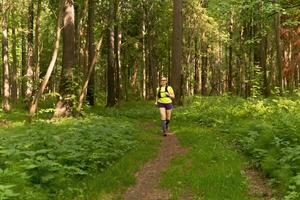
(147, 185)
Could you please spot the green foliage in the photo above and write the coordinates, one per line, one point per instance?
(265, 130)
(47, 158)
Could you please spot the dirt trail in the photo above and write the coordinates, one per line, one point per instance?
(147, 186)
(258, 184)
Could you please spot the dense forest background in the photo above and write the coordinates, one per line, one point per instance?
(110, 51)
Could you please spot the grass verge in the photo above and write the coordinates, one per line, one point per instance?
(210, 170)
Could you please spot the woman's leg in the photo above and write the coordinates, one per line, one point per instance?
(163, 119)
(168, 117)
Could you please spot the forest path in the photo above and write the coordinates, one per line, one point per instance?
(148, 178)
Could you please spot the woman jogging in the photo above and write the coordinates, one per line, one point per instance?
(164, 97)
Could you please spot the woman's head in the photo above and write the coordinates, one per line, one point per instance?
(163, 80)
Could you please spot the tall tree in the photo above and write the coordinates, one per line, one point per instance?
(14, 75)
(279, 55)
(64, 105)
(23, 61)
(176, 71)
(37, 45)
(6, 87)
(111, 94)
(230, 49)
(204, 66)
(29, 73)
(197, 68)
(118, 44)
(91, 51)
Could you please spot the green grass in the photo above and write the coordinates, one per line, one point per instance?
(210, 170)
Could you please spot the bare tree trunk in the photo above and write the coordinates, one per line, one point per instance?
(29, 73)
(34, 103)
(64, 105)
(111, 95)
(91, 52)
(197, 69)
(6, 87)
(277, 27)
(37, 46)
(176, 71)
(23, 64)
(118, 43)
(263, 65)
(230, 49)
(14, 75)
(204, 69)
(144, 90)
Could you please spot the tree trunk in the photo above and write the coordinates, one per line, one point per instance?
(91, 52)
(197, 69)
(277, 27)
(118, 43)
(6, 87)
(204, 62)
(64, 105)
(144, 78)
(176, 71)
(34, 103)
(111, 95)
(29, 73)
(263, 65)
(230, 49)
(23, 67)
(37, 46)
(14, 74)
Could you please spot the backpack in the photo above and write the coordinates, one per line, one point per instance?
(159, 93)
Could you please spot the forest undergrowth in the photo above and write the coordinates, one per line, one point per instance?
(98, 154)
(267, 131)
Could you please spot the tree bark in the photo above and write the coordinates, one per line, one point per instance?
(14, 75)
(176, 71)
(64, 105)
(279, 56)
(6, 87)
(111, 94)
(118, 43)
(197, 68)
(29, 73)
(230, 49)
(204, 62)
(24, 61)
(263, 65)
(91, 52)
(37, 46)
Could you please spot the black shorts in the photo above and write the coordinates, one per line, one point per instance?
(167, 106)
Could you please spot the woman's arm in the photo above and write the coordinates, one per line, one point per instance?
(171, 95)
